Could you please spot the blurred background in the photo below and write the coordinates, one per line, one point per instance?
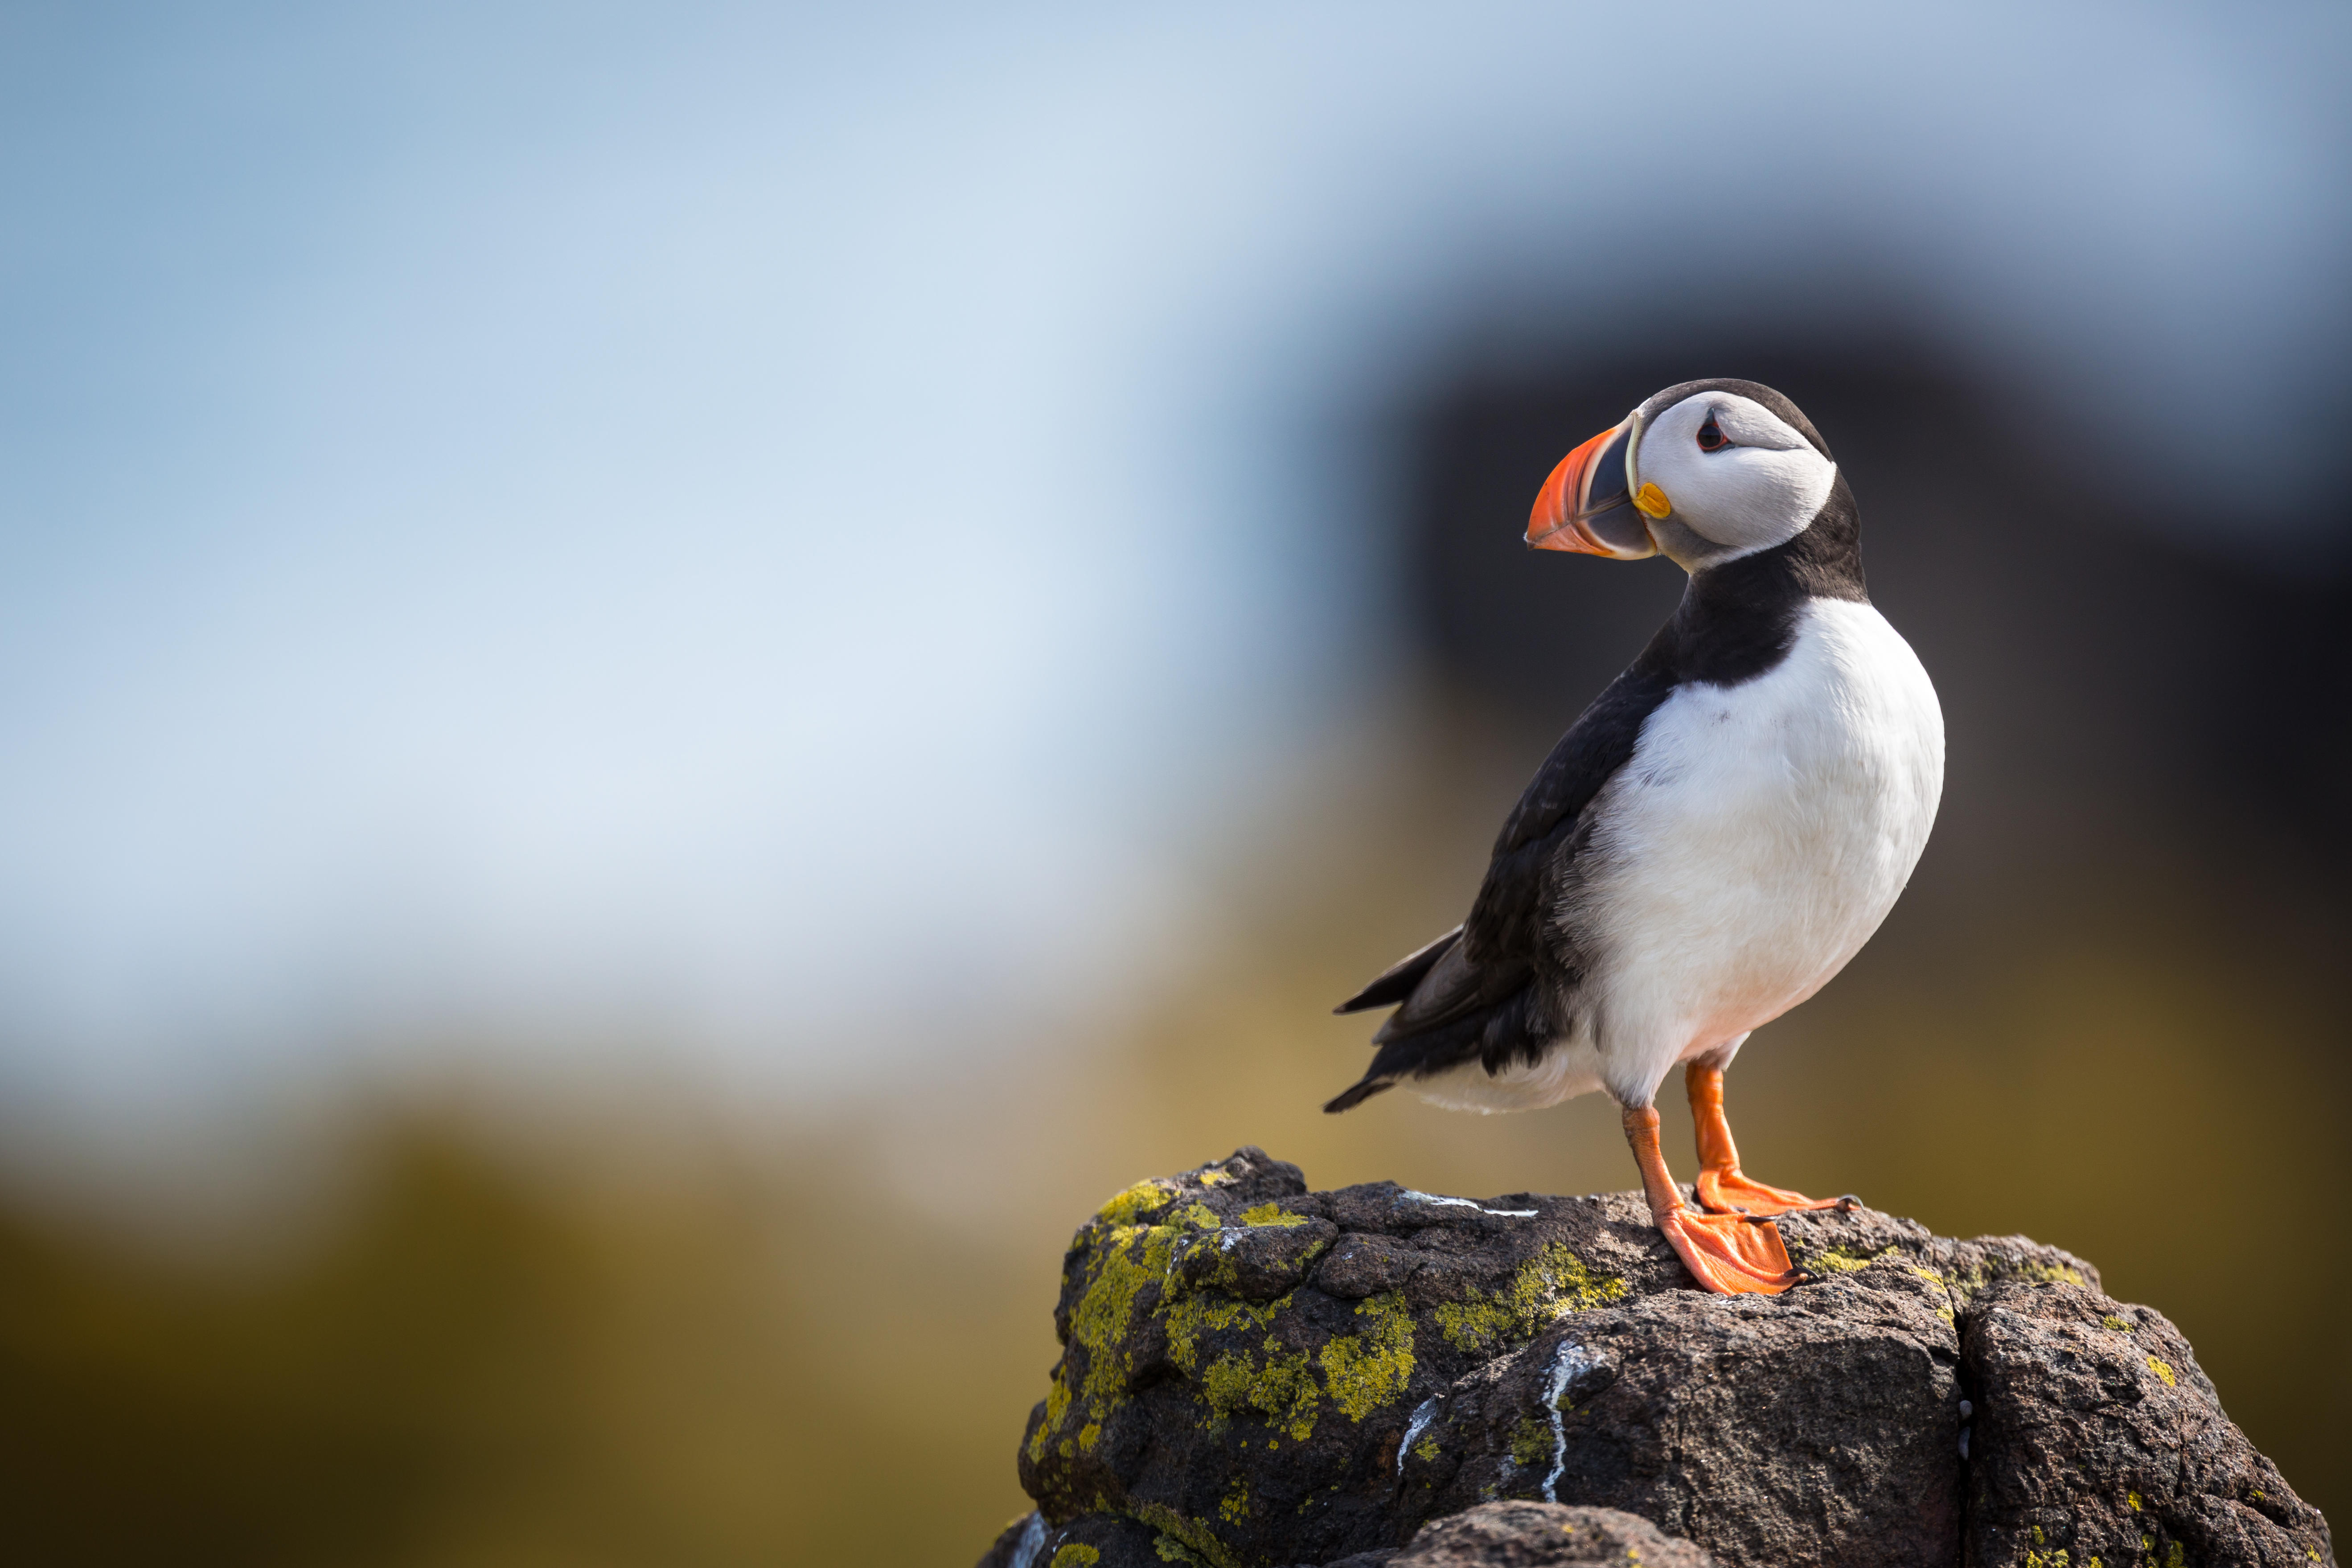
(673, 680)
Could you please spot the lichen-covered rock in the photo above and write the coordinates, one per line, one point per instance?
(2098, 1441)
(1242, 1356)
(1823, 1426)
(1255, 1374)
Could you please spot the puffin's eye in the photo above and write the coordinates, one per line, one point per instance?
(1710, 438)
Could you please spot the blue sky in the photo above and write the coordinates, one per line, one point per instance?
(549, 526)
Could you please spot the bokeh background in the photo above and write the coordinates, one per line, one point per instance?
(672, 680)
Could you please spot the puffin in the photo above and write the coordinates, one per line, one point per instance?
(1715, 836)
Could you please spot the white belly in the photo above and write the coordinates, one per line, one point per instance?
(1752, 844)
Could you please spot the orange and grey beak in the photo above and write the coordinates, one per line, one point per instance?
(1587, 505)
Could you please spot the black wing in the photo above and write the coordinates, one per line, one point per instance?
(1478, 992)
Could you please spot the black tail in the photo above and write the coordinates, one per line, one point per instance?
(1394, 985)
(1357, 1095)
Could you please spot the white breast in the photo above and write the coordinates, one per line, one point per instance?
(1750, 845)
(1756, 839)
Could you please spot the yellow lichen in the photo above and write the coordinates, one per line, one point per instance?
(1058, 1403)
(1365, 1371)
(1075, 1556)
(1847, 1259)
(1133, 1204)
(2131, 1502)
(2176, 1557)
(2045, 1273)
(1189, 1532)
(1089, 1436)
(1426, 1447)
(1282, 1389)
(1531, 1441)
(1235, 1507)
(1272, 1214)
(1125, 1259)
(2163, 1372)
(1549, 1286)
(1170, 1552)
(2111, 1321)
(1205, 1312)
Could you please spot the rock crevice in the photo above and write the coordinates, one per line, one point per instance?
(1255, 1374)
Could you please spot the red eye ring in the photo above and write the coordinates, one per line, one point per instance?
(1711, 438)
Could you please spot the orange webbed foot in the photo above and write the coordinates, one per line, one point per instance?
(1722, 1189)
(1730, 1254)
(1731, 1193)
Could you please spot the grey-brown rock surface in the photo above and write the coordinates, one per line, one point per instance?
(2100, 1439)
(1541, 1535)
(1257, 1374)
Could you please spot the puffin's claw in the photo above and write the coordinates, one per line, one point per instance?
(1732, 1255)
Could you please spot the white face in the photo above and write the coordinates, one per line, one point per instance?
(1738, 477)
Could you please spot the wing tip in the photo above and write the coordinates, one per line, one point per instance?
(1396, 983)
(1356, 1094)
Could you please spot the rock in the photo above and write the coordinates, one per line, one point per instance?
(2099, 1439)
(1540, 1535)
(1492, 1535)
(1252, 1374)
(1021, 1545)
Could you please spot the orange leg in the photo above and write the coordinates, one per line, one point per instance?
(1721, 1187)
(1729, 1254)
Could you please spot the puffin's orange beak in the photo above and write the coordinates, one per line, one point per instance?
(1584, 507)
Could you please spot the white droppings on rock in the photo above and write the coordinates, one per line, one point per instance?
(1571, 1362)
(1964, 1442)
(1027, 1549)
(1467, 1203)
(1412, 1430)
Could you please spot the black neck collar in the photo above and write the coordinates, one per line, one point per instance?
(1739, 619)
